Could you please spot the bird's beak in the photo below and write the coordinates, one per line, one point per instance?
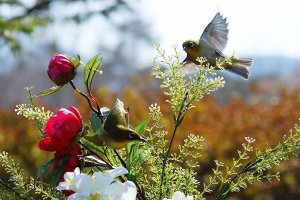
(184, 48)
(143, 139)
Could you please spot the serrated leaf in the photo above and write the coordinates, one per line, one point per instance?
(91, 68)
(49, 91)
(96, 124)
(42, 170)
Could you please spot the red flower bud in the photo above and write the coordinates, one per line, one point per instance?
(61, 70)
(61, 130)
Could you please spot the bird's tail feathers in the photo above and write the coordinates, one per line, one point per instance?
(240, 66)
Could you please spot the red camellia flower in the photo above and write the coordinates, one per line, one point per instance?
(61, 70)
(61, 130)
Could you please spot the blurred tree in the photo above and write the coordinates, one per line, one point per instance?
(41, 28)
(23, 17)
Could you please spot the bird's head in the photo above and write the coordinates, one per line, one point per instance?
(122, 137)
(190, 45)
(192, 49)
(131, 135)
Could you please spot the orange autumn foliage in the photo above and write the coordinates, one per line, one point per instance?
(265, 117)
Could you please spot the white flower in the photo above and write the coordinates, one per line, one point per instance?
(100, 185)
(179, 196)
(70, 180)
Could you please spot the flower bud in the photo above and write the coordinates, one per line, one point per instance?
(61, 70)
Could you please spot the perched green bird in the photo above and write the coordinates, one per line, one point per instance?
(211, 44)
(116, 132)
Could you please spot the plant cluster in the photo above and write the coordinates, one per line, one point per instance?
(107, 158)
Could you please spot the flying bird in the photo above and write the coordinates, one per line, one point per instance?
(211, 44)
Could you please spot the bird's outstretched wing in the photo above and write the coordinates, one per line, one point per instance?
(215, 35)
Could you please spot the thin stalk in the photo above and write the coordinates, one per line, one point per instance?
(120, 159)
(166, 158)
(141, 194)
(89, 89)
(177, 122)
(4, 185)
(86, 97)
(95, 154)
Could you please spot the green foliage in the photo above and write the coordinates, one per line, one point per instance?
(167, 174)
(183, 88)
(96, 124)
(90, 70)
(12, 28)
(172, 176)
(24, 19)
(39, 115)
(23, 188)
(43, 169)
(49, 91)
(244, 172)
(159, 167)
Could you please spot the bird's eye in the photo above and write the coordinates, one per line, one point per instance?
(131, 135)
(191, 45)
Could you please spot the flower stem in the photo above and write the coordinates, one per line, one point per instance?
(162, 182)
(120, 159)
(87, 98)
(177, 121)
(8, 188)
(95, 154)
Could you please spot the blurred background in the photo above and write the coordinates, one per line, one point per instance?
(264, 107)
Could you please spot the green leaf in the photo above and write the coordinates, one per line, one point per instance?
(140, 128)
(91, 68)
(223, 191)
(49, 91)
(56, 175)
(76, 61)
(96, 123)
(57, 172)
(133, 149)
(42, 170)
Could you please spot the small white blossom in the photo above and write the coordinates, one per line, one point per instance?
(100, 185)
(249, 139)
(179, 196)
(70, 180)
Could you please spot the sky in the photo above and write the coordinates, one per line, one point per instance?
(256, 27)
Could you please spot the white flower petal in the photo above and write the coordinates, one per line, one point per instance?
(99, 184)
(69, 180)
(131, 191)
(103, 179)
(77, 171)
(122, 191)
(178, 196)
(189, 198)
(78, 196)
(118, 171)
(86, 183)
